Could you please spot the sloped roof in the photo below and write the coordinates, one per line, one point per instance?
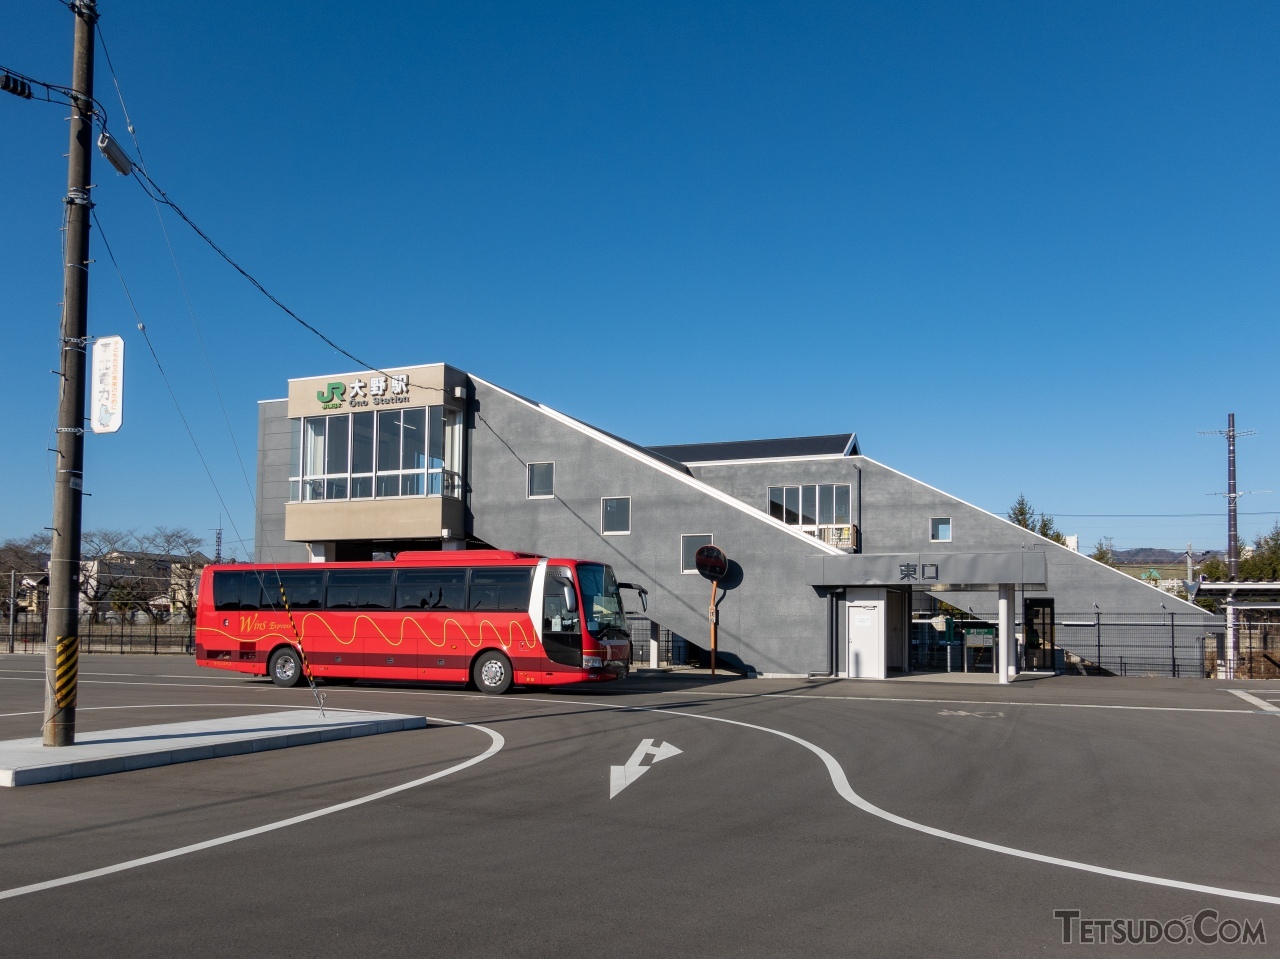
(832, 444)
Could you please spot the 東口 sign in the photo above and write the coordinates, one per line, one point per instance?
(106, 388)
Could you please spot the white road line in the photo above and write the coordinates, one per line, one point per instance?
(494, 747)
(834, 771)
(697, 694)
(40, 672)
(82, 709)
(116, 682)
(1260, 703)
(841, 783)
(965, 702)
(846, 792)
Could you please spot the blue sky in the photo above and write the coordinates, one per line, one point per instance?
(1017, 247)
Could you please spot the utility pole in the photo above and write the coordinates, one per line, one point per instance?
(1232, 494)
(1233, 538)
(62, 636)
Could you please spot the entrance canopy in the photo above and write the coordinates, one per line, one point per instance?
(1026, 568)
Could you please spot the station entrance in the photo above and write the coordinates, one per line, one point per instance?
(944, 643)
(879, 635)
(1039, 641)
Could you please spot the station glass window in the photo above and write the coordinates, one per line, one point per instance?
(541, 480)
(405, 452)
(822, 510)
(940, 529)
(615, 515)
(690, 543)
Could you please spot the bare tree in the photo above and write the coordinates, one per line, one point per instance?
(178, 549)
(24, 561)
(103, 565)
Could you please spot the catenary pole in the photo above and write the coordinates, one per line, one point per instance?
(62, 639)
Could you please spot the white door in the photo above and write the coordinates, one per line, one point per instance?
(866, 641)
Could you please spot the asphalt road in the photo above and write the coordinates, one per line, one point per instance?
(742, 844)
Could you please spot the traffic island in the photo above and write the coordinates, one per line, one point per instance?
(26, 762)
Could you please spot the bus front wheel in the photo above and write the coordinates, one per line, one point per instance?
(285, 668)
(492, 672)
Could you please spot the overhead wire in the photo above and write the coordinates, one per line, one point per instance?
(217, 389)
(50, 88)
(319, 696)
(165, 378)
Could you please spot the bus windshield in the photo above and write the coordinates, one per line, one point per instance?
(601, 601)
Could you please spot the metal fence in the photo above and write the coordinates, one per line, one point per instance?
(106, 637)
(1089, 644)
(672, 649)
(1114, 644)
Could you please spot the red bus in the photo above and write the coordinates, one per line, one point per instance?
(490, 617)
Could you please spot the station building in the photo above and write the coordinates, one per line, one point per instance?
(833, 555)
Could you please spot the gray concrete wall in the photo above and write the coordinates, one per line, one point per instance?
(771, 620)
(269, 544)
(896, 513)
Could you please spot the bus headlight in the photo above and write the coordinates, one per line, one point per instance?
(591, 662)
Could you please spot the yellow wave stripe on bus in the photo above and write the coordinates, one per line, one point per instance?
(496, 635)
(422, 629)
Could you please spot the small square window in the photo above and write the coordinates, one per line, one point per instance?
(615, 515)
(541, 480)
(940, 529)
(690, 543)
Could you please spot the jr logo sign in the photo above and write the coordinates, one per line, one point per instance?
(331, 398)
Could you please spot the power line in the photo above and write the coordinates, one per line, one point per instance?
(186, 296)
(68, 95)
(165, 377)
(1157, 515)
(148, 185)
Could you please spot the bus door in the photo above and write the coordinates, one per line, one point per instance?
(431, 608)
(561, 621)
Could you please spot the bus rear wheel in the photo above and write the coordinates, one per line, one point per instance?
(285, 668)
(491, 673)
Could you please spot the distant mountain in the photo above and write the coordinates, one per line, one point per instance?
(1161, 557)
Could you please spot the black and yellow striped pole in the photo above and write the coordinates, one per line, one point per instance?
(302, 653)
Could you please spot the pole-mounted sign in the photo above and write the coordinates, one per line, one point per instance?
(712, 563)
(106, 389)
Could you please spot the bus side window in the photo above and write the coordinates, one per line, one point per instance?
(438, 589)
(360, 589)
(500, 590)
(226, 591)
(302, 588)
(251, 591)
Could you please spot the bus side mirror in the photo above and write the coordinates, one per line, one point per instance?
(570, 598)
(644, 594)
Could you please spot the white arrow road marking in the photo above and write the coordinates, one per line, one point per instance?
(620, 777)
